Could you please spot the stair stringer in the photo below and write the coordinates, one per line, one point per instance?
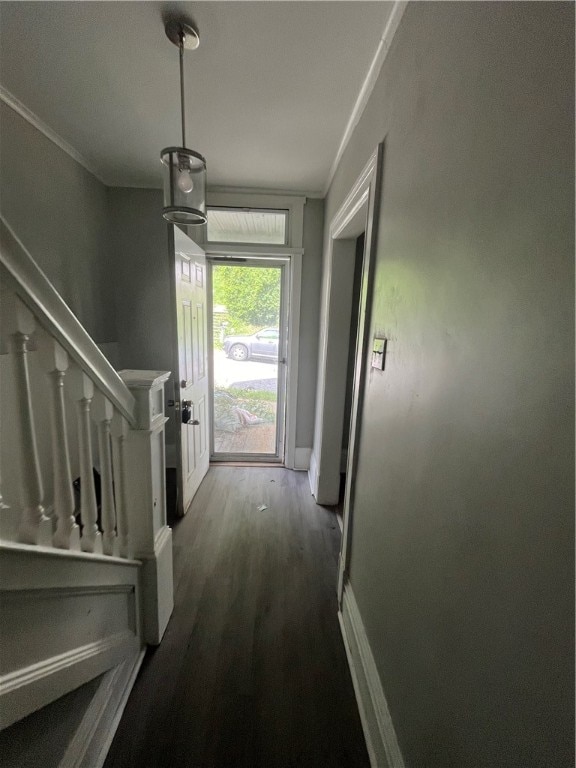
(67, 617)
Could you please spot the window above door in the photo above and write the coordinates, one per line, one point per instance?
(247, 225)
(252, 222)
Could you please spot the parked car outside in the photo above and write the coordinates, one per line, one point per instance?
(262, 344)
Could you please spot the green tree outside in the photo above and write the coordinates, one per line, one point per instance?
(251, 296)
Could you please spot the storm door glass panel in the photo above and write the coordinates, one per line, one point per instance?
(234, 225)
(247, 399)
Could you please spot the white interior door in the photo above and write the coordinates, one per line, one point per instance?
(191, 397)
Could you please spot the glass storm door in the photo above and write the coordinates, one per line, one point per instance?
(249, 352)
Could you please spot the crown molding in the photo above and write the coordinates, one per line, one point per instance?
(392, 24)
(11, 101)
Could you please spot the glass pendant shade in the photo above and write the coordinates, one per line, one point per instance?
(184, 186)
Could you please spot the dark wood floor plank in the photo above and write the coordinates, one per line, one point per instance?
(252, 670)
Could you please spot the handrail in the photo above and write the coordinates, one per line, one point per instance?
(39, 295)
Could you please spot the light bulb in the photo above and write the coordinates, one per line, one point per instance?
(185, 183)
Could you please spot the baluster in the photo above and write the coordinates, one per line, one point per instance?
(67, 533)
(103, 412)
(35, 527)
(81, 390)
(119, 431)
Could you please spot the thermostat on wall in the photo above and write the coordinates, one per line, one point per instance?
(379, 353)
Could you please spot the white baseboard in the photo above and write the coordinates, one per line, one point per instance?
(302, 459)
(313, 474)
(381, 741)
(92, 740)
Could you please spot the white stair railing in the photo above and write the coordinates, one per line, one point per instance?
(98, 420)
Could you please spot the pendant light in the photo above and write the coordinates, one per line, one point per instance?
(184, 170)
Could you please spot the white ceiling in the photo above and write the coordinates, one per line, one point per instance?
(269, 91)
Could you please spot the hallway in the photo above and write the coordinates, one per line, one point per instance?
(252, 670)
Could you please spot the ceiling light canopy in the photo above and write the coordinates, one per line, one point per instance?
(184, 169)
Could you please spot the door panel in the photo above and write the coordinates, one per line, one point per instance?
(201, 414)
(200, 341)
(188, 342)
(191, 385)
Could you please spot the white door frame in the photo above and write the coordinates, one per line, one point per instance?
(282, 263)
(294, 204)
(357, 214)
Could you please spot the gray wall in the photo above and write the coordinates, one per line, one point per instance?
(139, 239)
(58, 210)
(309, 320)
(463, 535)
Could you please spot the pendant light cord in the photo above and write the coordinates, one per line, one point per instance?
(182, 103)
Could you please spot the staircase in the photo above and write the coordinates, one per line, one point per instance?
(84, 586)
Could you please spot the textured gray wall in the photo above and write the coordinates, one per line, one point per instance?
(139, 238)
(58, 210)
(463, 534)
(139, 241)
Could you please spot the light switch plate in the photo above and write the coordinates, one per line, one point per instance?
(379, 353)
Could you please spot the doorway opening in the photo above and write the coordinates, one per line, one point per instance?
(350, 368)
(249, 339)
(357, 216)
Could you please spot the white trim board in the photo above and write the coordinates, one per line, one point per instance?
(225, 189)
(292, 252)
(25, 690)
(11, 101)
(357, 214)
(91, 742)
(381, 741)
(392, 24)
(302, 459)
(313, 474)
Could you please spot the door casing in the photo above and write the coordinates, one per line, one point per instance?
(284, 358)
(358, 213)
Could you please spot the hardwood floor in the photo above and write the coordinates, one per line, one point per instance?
(252, 669)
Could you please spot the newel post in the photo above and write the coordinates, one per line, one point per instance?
(145, 494)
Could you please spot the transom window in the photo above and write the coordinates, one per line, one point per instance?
(247, 225)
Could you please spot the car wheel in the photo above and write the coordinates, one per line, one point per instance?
(238, 352)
